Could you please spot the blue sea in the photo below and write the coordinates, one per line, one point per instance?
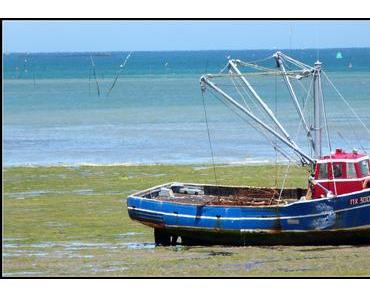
(53, 114)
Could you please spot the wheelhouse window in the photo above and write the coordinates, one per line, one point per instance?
(351, 170)
(364, 167)
(338, 170)
(323, 171)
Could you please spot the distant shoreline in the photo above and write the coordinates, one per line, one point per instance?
(180, 51)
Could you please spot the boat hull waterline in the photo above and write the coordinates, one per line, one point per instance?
(344, 219)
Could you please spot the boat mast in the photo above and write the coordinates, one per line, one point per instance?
(317, 95)
(279, 61)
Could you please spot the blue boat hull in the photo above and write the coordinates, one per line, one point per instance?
(341, 220)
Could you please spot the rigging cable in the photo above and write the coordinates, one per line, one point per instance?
(276, 156)
(261, 60)
(284, 181)
(240, 94)
(298, 131)
(251, 64)
(305, 104)
(346, 102)
(263, 115)
(275, 147)
(357, 138)
(327, 133)
(259, 108)
(299, 64)
(210, 141)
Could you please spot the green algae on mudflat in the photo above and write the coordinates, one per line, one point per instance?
(72, 221)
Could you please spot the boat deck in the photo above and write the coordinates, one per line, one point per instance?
(224, 195)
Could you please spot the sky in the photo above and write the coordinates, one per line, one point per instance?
(79, 36)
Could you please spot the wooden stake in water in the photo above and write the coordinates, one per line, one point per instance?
(94, 74)
(122, 66)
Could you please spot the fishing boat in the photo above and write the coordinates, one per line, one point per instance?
(334, 208)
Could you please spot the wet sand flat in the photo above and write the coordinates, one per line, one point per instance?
(72, 221)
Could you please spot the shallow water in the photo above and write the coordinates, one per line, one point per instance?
(144, 259)
(155, 114)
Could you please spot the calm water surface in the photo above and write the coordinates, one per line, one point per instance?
(154, 114)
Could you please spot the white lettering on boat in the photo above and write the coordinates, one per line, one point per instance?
(356, 201)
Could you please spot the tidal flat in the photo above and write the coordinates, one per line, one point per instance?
(72, 221)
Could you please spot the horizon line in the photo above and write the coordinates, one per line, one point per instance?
(179, 50)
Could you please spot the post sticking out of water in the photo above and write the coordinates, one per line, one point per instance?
(317, 95)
